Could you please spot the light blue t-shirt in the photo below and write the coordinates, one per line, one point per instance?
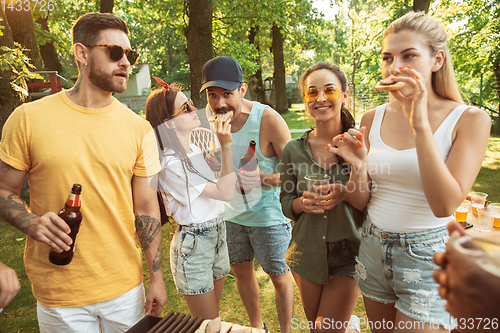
(261, 207)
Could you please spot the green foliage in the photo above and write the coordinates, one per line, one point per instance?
(60, 21)
(475, 48)
(16, 62)
(352, 39)
(156, 32)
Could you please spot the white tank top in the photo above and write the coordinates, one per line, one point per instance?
(397, 201)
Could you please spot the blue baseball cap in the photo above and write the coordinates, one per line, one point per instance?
(224, 72)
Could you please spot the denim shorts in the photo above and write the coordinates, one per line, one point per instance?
(198, 256)
(341, 259)
(268, 244)
(395, 267)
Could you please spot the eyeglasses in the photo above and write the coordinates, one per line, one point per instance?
(185, 108)
(330, 92)
(116, 52)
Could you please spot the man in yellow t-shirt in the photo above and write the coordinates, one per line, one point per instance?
(86, 136)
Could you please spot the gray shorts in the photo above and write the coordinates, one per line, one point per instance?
(268, 244)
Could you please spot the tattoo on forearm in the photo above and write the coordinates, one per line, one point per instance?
(13, 210)
(147, 229)
(157, 260)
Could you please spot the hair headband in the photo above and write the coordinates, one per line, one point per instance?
(164, 84)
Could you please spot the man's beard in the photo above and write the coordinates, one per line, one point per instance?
(104, 81)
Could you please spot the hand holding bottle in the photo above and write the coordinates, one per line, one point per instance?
(248, 180)
(248, 176)
(73, 217)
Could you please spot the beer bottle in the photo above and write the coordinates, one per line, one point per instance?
(73, 217)
(248, 162)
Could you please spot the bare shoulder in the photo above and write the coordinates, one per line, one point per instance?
(478, 114)
(273, 122)
(274, 133)
(367, 119)
(272, 117)
(476, 119)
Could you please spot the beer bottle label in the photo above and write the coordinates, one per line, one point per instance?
(73, 200)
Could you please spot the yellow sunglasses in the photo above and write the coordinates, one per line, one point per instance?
(330, 92)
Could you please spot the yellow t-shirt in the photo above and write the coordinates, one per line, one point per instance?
(60, 143)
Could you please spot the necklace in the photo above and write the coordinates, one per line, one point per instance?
(316, 149)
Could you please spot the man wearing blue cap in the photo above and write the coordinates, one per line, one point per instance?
(256, 225)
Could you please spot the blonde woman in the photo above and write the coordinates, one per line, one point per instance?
(423, 152)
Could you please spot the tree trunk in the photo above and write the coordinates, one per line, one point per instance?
(23, 32)
(279, 71)
(106, 6)
(421, 5)
(255, 82)
(48, 51)
(9, 98)
(496, 69)
(199, 44)
(170, 55)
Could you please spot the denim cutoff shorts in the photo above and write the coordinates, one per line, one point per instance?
(341, 259)
(198, 256)
(396, 267)
(268, 244)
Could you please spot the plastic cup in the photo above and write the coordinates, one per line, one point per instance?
(496, 221)
(462, 211)
(316, 180)
(485, 250)
(478, 200)
(486, 217)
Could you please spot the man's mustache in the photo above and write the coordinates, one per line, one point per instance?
(223, 110)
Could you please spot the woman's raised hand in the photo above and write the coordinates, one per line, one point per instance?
(414, 106)
(350, 146)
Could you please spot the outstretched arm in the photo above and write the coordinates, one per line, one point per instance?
(48, 228)
(148, 227)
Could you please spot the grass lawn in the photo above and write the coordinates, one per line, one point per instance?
(297, 119)
(20, 315)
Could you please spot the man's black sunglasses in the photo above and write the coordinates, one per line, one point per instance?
(116, 52)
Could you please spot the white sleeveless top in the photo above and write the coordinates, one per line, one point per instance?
(397, 201)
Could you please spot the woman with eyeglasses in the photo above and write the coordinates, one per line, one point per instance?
(326, 233)
(419, 155)
(193, 198)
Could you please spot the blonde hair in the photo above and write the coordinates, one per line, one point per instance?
(443, 81)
